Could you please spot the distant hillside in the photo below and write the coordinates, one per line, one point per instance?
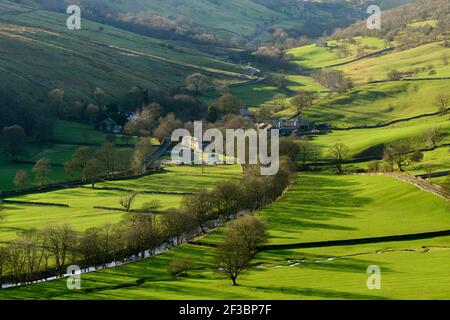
(215, 21)
(423, 21)
(39, 54)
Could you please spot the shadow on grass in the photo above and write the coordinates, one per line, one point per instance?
(315, 198)
(317, 293)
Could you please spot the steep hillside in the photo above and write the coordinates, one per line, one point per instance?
(39, 53)
(218, 20)
(426, 61)
(400, 24)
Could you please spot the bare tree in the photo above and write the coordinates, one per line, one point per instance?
(17, 260)
(241, 239)
(166, 126)
(42, 170)
(433, 136)
(143, 155)
(402, 154)
(60, 240)
(127, 200)
(226, 198)
(339, 154)
(177, 224)
(198, 82)
(200, 206)
(442, 101)
(107, 155)
(93, 170)
(142, 233)
(4, 256)
(21, 179)
(33, 252)
(302, 101)
(78, 162)
(180, 265)
(251, 230)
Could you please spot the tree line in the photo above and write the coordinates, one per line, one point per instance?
(36, 254)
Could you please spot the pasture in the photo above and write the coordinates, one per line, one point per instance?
(68, 136)
(379, 103)
(424, 59)
(369, 142)
(356, 206)
(81, 201)
(313, 57)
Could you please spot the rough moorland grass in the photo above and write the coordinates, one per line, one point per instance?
(424, 56)
(61, 58)
(234, 17)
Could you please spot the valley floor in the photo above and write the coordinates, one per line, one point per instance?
(316, 208)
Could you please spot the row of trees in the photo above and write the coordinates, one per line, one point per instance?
(41, 170)
(47, 252)
(89, 165)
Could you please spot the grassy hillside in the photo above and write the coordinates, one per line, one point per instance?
(317, 273)
(81, 213)
(77, 61)
(420, 60)
(312, 56)
(239, 17)
(234, 20)
(378, 103)
(361, 140)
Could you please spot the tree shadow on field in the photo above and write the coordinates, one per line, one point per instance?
(317, 293)
(313, 201)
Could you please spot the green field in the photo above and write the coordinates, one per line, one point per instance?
(68, 137)
(81, 214)
(379, 103)
(377, 68)
(404, 275)
(179, 179)
(360, 141)
(312, 56)
(317, 207)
